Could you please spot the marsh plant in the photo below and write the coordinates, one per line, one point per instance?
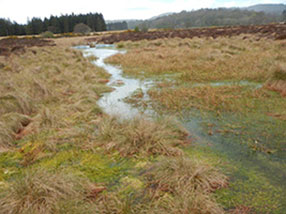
(141, 136)
(40, 191)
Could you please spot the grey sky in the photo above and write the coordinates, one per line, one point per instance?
(20, 10)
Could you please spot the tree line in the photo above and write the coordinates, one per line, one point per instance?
(55, 24)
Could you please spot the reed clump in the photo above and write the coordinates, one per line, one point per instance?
(141, 137)
(40, 192)
(278, 80)
(178, 175)
(11, 124)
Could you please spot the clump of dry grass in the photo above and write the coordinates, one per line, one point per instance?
(201, 97)
(141, 136)
(195, 203)
(278, 80)
(16, 102)
(70, 41)
(55, 87)
(183, 185)
(39, 192)
(10, 125)
(115, 204)
(175, 175)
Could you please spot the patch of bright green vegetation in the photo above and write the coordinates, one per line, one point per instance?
(95, 166)
(247, 187)
(9, 164)
(253, 190)
(259, 132)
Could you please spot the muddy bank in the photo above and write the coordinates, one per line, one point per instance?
(11, 45)
(272, 31)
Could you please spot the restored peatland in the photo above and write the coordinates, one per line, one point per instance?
(59, 153)
(215, 143)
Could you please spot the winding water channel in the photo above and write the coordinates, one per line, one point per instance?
(268, 167)
(112, 103)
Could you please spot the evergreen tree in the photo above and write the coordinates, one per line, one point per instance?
(4, 27)
(35, 26)
(62, 24)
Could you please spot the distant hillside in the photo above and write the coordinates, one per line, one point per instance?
(211, 17)
(256, 14)
(131, 23)
(134, 23)
(160, 16)
(268, 8)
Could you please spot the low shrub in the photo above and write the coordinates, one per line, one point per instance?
(81, 28)
(47, 34)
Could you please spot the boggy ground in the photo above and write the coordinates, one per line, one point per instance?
(273, 31)
(229, 93)
(59, 153)
(18, 45)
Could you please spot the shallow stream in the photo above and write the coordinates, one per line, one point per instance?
(113, 103)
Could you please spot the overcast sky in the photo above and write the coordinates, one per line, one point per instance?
(21, 10)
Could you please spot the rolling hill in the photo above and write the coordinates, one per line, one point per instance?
(275, 9)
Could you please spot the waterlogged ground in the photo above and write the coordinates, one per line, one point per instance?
(218, 90)
(61, 151)
(257, 177)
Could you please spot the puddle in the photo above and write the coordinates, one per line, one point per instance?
(230, 83)
(112, 103)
